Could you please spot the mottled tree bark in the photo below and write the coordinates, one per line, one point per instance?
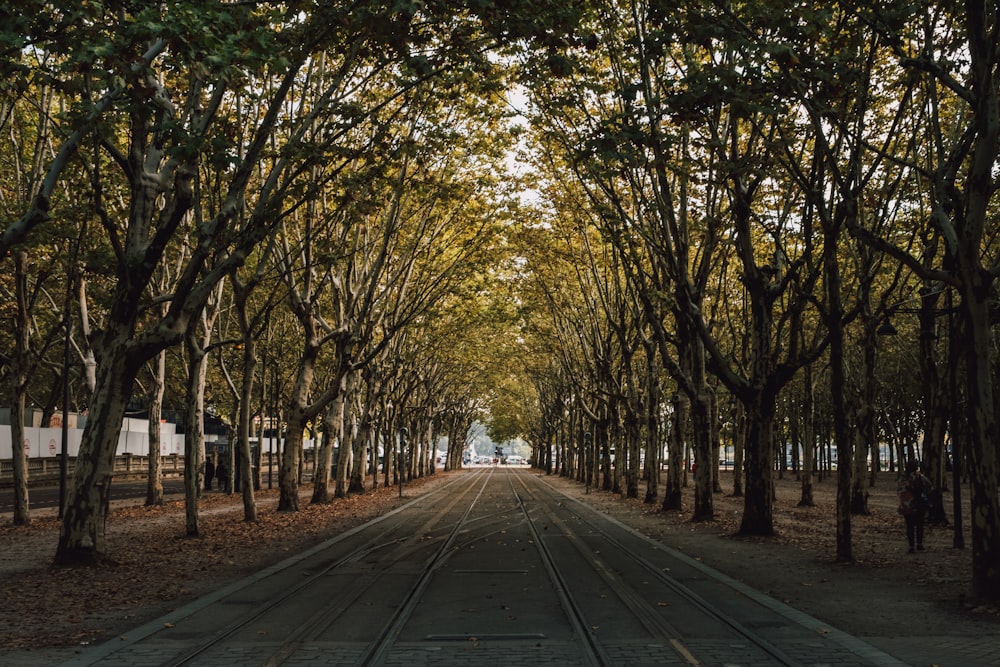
(154, 469)
(82, 537)
(673, 493)
(19, 380)
(806, 498)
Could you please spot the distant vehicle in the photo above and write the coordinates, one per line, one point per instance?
(516, 460)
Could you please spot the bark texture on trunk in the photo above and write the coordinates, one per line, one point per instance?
(154, 469)
(701, 414)
(288, 474)
(22, 509)
(984, 464)
(19, 379)
(324, 459)
(806, 498)
(247, 479)
(673, 493)
(345, 452)
(758, 503)
(82, 537)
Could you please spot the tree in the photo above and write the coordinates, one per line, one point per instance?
(159, 167)
(951, 55)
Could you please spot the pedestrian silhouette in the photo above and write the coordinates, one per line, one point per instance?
(914, 496)
(209, 473)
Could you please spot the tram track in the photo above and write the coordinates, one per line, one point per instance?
(377, 650)
(645, 612)
(322, 618)
(496, 566)
(593, 652)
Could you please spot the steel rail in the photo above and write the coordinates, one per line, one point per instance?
(682, 590)
(377, 649)
(593, 652)
(282, 654)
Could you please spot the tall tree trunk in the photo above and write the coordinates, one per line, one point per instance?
(984, 467)
(154, 470)
(601, 456)
(715, 437)
(739, 448)
(578, 458)
(806, 498)
(361, 436)
(416, 448)
(701, 416)
(22, 511)
(389, 447)
(795, 435)
(324, 454)
(838, 383)
(194, 435)
(976, 284)
(82, 537)
(419, 448)
(653, 442)
(291, 454)
(366, 448)
(673, 494)
(566, 448)
(19, 380)
(760, 445)
(859, 461)
(431, 452)
(864, 440)
(247, 481)
(935, 400)
(632, 440)
(704, 432)
(298, 401)
(338, 413)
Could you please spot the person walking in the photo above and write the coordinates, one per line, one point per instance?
(222, 474)
(914, 494)
(209, 472)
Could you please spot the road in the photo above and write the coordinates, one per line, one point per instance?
(47, 497)
(496, 567)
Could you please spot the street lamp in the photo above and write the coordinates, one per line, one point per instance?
(886, 328)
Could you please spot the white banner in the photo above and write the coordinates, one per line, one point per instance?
(47, 442)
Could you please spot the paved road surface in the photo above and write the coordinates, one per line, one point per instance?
(496, 567)
(47, 497)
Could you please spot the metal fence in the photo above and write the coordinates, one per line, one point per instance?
(46, 469)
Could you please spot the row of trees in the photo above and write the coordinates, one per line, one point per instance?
(307, 205)
(742, 196)
(291, 205)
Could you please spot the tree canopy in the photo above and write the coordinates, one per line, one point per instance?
(619, 230)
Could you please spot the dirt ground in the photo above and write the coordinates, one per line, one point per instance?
(48, 613)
